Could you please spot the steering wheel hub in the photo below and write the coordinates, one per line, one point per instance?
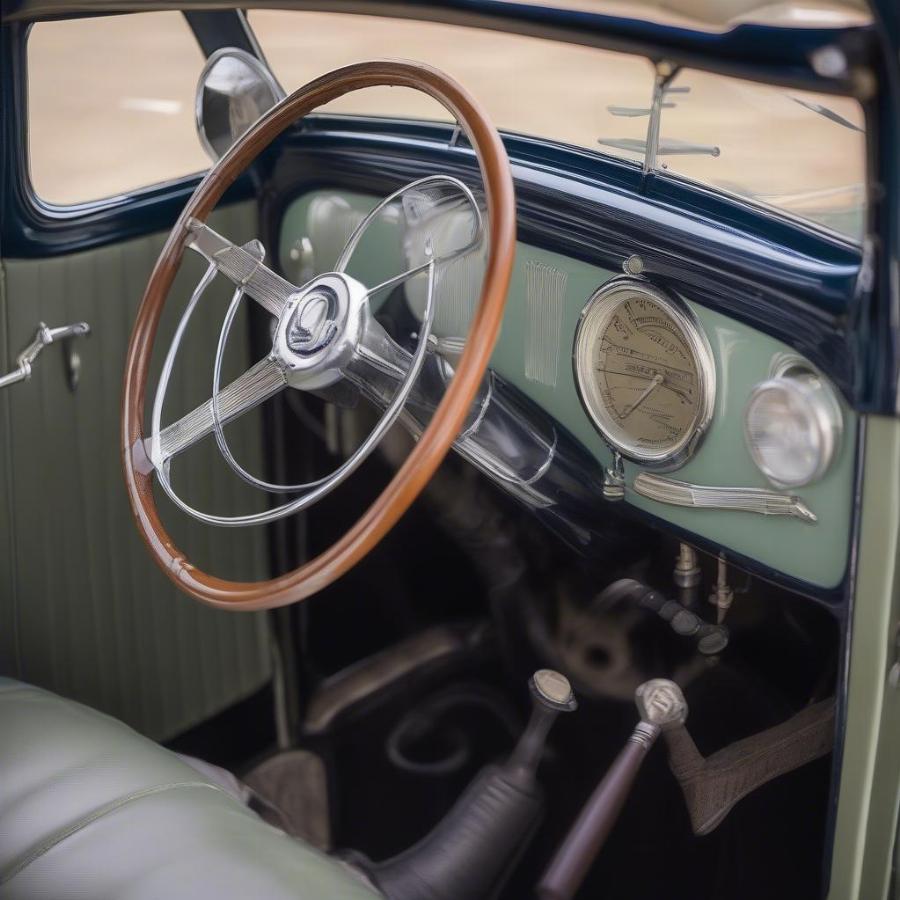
(319, 330)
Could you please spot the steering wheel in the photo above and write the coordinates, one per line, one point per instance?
(325, 334)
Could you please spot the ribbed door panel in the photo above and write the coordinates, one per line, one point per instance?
(84, 611)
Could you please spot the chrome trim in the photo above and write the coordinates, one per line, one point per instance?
(242, 266)
(257, 384)
(743, 499)
(661, 704)
(43, 337)
(470, 429)
(321, 487)
(370, 331)
(665, 74)
(458, 290)
(499, 470)
(664, 147)
(326, 333)
(791, 373)
(654, 146)
(356, 236)
(544, 467)
(614, 479)
(256, 65)
(545, 292)
(600, 308)
(450, 349)
(645, 733)
(261, 381)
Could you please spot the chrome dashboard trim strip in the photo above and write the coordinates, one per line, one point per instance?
(545, 292)
(743, 499)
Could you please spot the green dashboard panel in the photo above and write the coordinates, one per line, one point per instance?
(534, 353)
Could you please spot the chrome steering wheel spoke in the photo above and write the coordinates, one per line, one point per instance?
(257, 384)
(419, 188)
(326, 334)
(243, 266)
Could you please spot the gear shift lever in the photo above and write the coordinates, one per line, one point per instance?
(661, 705)
(470, 850)
(551, 694)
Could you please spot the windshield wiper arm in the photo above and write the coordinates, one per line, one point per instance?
(665, 147)
(829, 114)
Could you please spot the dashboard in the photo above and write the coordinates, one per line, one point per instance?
(668, 399)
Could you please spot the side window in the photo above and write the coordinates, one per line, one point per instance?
(111, 105)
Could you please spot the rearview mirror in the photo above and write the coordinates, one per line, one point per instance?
(234, 90)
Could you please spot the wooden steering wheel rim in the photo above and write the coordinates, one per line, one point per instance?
(448, 419)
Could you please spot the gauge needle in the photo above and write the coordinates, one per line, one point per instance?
(658, 379)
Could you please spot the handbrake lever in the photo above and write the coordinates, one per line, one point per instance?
(661, 706)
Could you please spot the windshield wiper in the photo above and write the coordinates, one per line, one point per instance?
(653, 146)
(665, 146)
(829, 114)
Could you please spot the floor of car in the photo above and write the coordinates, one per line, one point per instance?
(397, 762)
(770, 845)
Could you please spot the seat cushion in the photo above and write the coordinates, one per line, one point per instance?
(91, 809)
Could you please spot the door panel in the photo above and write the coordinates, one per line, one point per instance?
(84, 611)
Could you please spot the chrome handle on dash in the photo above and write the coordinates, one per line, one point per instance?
(745, 499)
(43, 337)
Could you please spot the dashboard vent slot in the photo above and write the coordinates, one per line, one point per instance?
(545, 289)
(457, 290)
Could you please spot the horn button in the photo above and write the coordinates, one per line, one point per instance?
(312, 325)
(319, 330)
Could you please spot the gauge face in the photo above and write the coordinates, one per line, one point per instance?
(645, 373)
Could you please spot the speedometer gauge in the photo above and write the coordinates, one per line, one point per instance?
(645, 373)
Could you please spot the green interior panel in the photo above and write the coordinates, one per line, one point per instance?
(815, 553)
(869, 798)
(84, 610)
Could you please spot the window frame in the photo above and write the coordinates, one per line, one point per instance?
(31, 226)
(45, 223)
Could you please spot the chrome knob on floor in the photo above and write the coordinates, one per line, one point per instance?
(551, 694)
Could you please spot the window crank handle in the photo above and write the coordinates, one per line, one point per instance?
(43, 337)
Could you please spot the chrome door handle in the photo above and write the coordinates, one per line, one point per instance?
(43, 337)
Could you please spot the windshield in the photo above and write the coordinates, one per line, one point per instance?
(721, 15)
(800, 153)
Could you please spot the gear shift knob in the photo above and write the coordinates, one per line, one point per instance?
(552, 690)
(661, 706)
(661, 703)
(551, 694)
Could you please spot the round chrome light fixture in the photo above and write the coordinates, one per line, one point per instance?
(793, 427)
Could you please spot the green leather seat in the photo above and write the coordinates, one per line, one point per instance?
(91, 809)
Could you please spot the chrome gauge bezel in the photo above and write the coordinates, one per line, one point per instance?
(793, 372)
(594, 318)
